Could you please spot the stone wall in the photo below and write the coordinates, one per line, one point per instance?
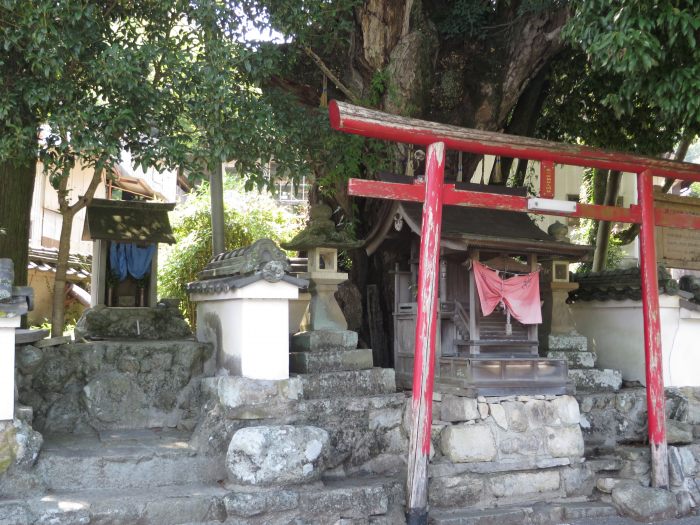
(495, 451)
(80, 387)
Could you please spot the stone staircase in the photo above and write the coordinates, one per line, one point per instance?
(573, 348)
(137, 431)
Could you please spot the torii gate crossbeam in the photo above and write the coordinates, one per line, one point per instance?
(434, 193)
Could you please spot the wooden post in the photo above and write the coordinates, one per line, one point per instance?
(652, 334)
(426, 329)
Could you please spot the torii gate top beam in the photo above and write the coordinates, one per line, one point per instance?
(375, 124)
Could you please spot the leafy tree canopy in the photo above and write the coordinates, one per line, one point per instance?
(652, 47)
(171, 81)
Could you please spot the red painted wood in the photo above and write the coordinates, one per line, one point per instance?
(426, 332)
(547, 179)
(477, 199)
(652, 332)
(376, 124)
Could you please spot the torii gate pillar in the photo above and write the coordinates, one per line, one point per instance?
(426, 331)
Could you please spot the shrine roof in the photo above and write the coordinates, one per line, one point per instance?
(469, 227)
(129, 221)
(620, 285)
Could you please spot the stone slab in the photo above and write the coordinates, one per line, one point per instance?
(82, 462)
(573, 342)
(596, 380)
(350, 383)
(573, 358)
(644, 503)
(498, 516)
(587, 509)
(322, 340)
(158, 505)
(330, 361)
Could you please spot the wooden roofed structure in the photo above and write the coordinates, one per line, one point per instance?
(476, 353)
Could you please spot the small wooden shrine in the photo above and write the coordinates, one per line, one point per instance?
(125, 237)
(485, 354)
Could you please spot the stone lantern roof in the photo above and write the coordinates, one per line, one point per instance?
(320, 232)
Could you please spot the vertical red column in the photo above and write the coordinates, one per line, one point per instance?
(426, 330)
(652, 334)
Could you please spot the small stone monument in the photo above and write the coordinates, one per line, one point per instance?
(14, 302)
(242, 301)
(321, 241)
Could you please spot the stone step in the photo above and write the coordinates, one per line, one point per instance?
(349, 383)
(555, 513)
(596, 380)
(173, 505)
(323, 340)
(330, 361)
(332, 501)
(573, 358)
(124, 459)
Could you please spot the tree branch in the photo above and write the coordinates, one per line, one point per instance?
(322, 66)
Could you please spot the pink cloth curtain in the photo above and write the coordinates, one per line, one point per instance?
(520, 294)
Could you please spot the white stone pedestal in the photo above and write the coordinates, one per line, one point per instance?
(249, 328)
(7, 366)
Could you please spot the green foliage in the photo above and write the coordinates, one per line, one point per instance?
(169, 80)
(575, 111)
(651, 46)
(248, 216)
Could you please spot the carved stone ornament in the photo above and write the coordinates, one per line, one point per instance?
(273, 271)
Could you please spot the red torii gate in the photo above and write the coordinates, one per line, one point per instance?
(434, 194)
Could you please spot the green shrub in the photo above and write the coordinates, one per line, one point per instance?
(248, 216)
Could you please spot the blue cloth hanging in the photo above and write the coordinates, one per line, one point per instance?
(138, 260)
(117, 260)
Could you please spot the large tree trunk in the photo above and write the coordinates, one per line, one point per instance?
(602, 243)
(16, 189)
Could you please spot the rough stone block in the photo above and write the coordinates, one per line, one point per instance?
(567, 410)
(345, 499)
(516, 415)
(455, 491)
(322, 340)
(574, 359)
(350, 383)
(523, 483)
(607, 484)
(468, 443)
(330, 360)
(456, 408)
(384, 418)
(578, 480)
(564, 441)
(235, 391)
(678, 433)
(644, 503)
(575, 342)
(277, 455)
(594, 379)
(498, 414)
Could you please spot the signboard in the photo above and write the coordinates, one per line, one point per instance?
(677, 248)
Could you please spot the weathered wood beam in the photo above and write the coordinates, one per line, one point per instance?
(376, 124)
(426, 333)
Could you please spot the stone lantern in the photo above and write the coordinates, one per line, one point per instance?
(562, 321)
(321, 242)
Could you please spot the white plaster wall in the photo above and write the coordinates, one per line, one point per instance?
(615, 332)
(249, 328)
(7, 367)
